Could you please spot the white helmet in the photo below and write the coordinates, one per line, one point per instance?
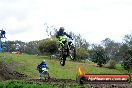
(43, 61)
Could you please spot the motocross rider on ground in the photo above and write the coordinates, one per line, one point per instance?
(40, 66)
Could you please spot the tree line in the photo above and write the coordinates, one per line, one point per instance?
(23, 47)
(99, 53)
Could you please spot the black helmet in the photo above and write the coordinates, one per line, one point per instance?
(61, 29)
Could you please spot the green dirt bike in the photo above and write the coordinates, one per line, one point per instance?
(67, 48)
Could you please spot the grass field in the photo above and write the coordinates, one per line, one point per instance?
(27, 64)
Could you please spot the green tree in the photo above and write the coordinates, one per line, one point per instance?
(128, 40)
(98, 55)
(125, 46)
(81, 54)
(127, 62)
(11, 46)
(111, 49)
(30, 46)
(79, 41)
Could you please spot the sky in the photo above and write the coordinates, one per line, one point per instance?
(95, 20)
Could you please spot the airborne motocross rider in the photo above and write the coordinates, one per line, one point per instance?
(60, 34)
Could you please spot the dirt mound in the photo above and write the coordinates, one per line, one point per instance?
(6, 73)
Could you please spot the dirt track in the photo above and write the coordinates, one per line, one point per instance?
(62, 82)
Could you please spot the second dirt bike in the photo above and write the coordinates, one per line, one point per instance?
(44, 75)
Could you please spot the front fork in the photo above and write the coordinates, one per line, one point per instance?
(41, 75)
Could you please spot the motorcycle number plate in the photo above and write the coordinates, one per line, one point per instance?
(43, 68)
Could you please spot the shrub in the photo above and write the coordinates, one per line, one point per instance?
(48, 45)
(111, 64)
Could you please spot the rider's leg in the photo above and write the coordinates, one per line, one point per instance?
(61, 45)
